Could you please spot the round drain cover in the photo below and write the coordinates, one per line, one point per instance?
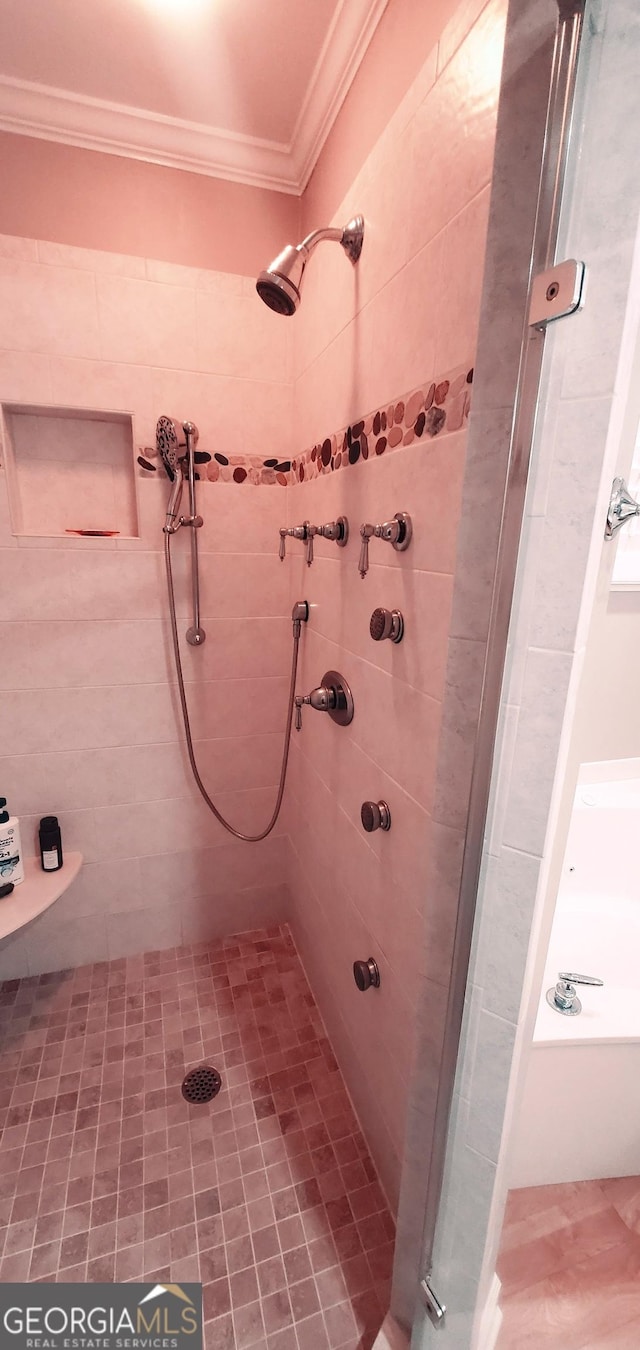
(201, 1085)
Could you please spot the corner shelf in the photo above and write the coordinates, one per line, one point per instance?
(36, 893)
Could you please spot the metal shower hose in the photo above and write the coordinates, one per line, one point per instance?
(248, 838)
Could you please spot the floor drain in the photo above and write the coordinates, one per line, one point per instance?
(201, 1085)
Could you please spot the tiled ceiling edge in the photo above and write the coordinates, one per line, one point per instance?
(53, 114)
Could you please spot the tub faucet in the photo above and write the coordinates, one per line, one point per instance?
(563, 997)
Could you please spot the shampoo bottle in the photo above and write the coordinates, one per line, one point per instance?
(50, 844)
(11, 861)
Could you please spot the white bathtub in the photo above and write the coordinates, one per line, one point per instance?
(580, 1115)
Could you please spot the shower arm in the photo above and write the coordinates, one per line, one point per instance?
(316, 237)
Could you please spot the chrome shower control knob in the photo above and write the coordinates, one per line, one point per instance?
(338, 530)
(366, 975)
(387, 623)
(397, 532)
(333, 696)
(293, 532)
(375, 816)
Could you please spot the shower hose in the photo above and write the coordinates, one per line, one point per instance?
(248, 838)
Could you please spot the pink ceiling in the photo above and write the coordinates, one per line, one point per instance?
(240, 65)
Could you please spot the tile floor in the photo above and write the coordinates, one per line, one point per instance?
(570, 1267)
(267, 1194)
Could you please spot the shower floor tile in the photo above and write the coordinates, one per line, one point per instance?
(267, 1194)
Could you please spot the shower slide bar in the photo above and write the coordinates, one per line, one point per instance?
(172, 438)
(195, 635)
(555, 152)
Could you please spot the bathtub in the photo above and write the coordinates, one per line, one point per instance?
(580, 1112)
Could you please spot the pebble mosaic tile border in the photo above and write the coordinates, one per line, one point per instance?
(433, 409)
(436, 408)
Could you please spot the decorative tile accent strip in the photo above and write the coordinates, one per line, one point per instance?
(436, 408)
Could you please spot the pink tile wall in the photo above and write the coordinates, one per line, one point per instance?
(127, 205)
(365, 337)
(86, 676)
(86, 673)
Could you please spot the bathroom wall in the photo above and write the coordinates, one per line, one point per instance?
(121, 205)
(387, 351)
(608, 717)
(88, 687)
(406, 32)
(89, 707)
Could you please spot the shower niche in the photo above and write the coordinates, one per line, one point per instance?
(70, 471)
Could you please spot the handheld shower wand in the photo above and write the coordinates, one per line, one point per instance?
(172, 438)
(172, 520)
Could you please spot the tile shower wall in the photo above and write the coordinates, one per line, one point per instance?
(88, 695)
(366, 338)
(90, 722)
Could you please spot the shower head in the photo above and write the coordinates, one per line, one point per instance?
(279, 286)
(171, 444)
(174, 441)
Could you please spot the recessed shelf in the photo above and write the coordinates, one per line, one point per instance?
(69, 470)
(36, 893)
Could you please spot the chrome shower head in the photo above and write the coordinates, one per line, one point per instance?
(279, 285)
(171, 444)
(174, 442)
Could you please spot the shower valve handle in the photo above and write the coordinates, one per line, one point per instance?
(294, 532)
(333, 696)
(309, 531)
(397, 532)
(336, 530)
(365, 532)
(323, 699)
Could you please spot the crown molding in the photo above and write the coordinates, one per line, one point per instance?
(345, 45)
(47, 113)
(93, 124)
